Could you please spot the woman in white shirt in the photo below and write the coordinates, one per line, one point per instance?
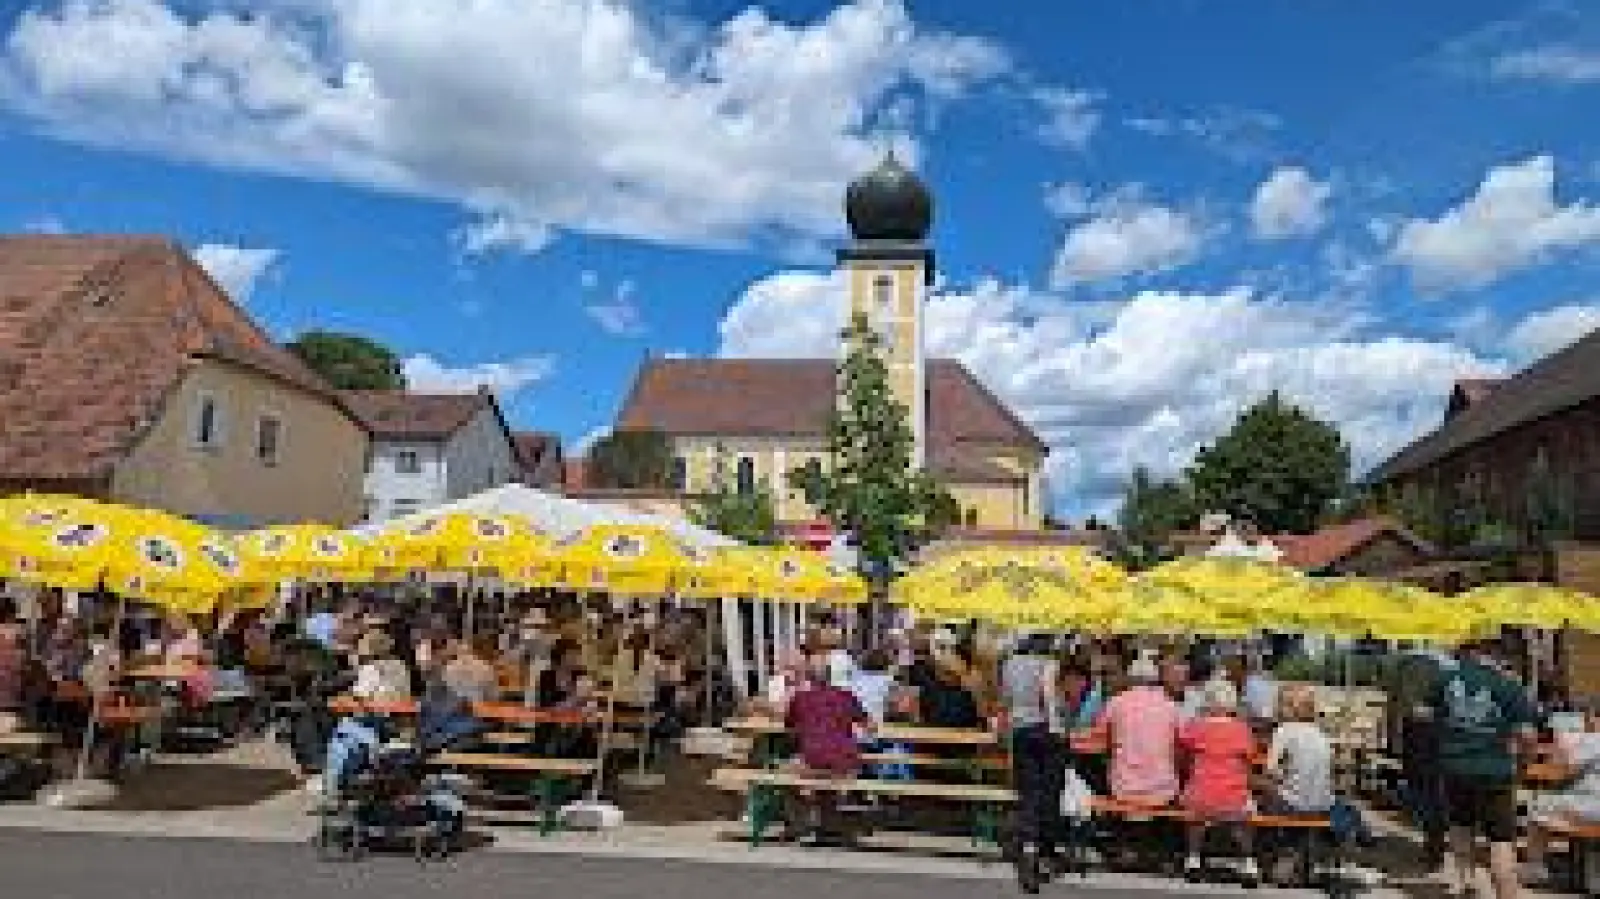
(1300, 758)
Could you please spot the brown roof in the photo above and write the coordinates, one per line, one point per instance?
(1475, 389)
(575, 475)
(539, 454)
(1312, 552)
(794, 397)
(402, 415)
(95, 333)
(1557, 382)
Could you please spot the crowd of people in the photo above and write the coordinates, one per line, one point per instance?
(1203, 729)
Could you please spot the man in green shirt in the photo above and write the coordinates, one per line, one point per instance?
(1485, 720)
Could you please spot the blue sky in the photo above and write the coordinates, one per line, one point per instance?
(1149, 212)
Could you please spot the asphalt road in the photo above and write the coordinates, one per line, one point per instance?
(63, 866)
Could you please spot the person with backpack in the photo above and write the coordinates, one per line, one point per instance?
(1485, 723)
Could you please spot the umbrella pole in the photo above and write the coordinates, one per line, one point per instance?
(471, 610)
(95, 696)
(710, 647)
(605, 727)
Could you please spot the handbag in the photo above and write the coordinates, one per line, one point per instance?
(1077, 800)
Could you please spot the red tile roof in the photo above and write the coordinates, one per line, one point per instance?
(1312, 552)
(794, 397)
(402, 415)
(95, 333)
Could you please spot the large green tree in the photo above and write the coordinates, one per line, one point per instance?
(350, 362)
(869, 485)
(634, 459)
(1279, 467)
(748, 516)
(1152, 510)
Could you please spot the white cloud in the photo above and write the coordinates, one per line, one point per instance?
(619, 316)
(499, 231)
(1513, 221)
(1126, 238)
(1290, 203)
(1071, 116)
(585, 443)
(1552, 62)
(533, 115)
(1542, 333)
(45, 224)
(426, 374)
(1230, 132)
(1142, 381)
(237, 269)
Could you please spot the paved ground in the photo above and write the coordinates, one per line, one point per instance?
(83, 866)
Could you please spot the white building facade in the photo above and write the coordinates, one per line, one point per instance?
(430, 449)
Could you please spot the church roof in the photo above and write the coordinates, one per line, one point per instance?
(794, 397)
(95, 333)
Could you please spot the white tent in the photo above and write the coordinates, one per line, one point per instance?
(563, 517)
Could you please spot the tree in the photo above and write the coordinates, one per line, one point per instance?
(635, 459)
(1278, 466)
(349, 362)
(1152, 510)
(870, 487)
(748, 517)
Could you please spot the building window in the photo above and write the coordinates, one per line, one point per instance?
(269, 434)
(680, 473)
(972, 518)
(407, 462)
(208, 423)
(1027, 499)
(883, 308)
(369, 508)
(403, 507)
(745, 475)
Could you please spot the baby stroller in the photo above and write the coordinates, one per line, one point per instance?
(379, 793)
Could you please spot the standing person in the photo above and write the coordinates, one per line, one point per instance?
(1030, 687)
(1416, 731)
(1220, 747)
(1484, 721)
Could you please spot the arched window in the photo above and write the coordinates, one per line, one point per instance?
(972, 518)
(745, 475)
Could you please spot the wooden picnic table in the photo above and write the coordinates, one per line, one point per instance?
(165, 671)
(504, 712)
(889, 733)
(26, 743)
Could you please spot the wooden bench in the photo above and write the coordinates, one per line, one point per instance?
(761, 791)
(547, 774)
(1581, 840)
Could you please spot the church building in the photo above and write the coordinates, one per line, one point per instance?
(762, 418)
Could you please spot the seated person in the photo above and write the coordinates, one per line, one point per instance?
(380, 675)
(468, 675)
(1577, 803)
(827, 722)
(1220, 746)
(1299, 759)
(1141, 727)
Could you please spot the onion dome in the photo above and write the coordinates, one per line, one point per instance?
(889, 203)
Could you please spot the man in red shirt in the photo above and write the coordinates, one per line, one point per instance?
(828, 723)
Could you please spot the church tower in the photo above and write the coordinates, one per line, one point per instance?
(889, 268)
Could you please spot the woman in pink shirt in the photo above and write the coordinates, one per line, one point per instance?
(1141, 725)
(1220, 746)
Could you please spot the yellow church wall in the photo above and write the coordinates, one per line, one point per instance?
(998, 506)
(771, 458)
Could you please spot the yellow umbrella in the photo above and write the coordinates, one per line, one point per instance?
(1149, 608)
(846, 586)
(455, 541)
(714, 574)
(306, 552)
(1356, 607)
(1542, 606)
(1010, 592)
(785, 574)
(139, 554)
(625, 560)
